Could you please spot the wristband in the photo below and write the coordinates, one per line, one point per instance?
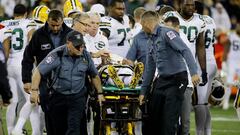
(204, 71)
(34, 89)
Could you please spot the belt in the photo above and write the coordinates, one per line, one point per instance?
(173, 75)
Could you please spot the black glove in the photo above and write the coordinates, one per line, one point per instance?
(204, 78)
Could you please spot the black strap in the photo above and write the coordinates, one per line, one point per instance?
(53, 78)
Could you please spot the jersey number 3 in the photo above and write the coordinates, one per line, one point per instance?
(17, 39)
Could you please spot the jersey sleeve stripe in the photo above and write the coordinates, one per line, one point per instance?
(8, 31)
(31, 25)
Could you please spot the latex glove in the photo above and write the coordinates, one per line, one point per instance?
(101, 99)
(34, 97)
(27, 87)
(195, 79)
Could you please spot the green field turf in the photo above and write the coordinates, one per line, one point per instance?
(223, 122)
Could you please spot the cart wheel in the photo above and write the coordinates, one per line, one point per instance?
(108, 129)
(130, 128)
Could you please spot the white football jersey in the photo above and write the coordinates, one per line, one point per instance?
(68, 21)
(188, 44)
(209, 35)
(119, 34)
(234, 52)
(19, 38)
(95, 44)
(191, 27)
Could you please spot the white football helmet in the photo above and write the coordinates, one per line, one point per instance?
(98, 8)
(124, 72)
(217, 94)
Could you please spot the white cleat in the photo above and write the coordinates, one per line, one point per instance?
(238, 113)
(225, 105)
(15, 132)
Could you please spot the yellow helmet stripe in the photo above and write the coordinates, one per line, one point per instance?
(73, 3)
(38, 10)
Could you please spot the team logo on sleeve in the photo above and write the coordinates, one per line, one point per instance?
(49, 60)
(45, 46)
(171, 35)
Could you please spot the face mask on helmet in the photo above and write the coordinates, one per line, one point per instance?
(40, 13)
(72, 6)
(217, 93)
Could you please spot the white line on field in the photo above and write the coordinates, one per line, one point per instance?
(225, 119)
(221, 131)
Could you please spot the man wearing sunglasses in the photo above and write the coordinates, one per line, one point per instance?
(68, 90)
(82, 23)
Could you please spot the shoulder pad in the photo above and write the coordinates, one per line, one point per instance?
(106, 18)
(105, 21)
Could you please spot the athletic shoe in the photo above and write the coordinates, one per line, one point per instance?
(112, 72)
(138, 71)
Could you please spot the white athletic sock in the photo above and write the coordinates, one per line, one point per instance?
(11, 116)
(24, 115)
(208, 126)
(19, 125)
(35, 121)
(226, 98)
(238, 113)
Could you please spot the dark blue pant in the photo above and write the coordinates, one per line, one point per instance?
(66, 112)
(166, 102)
(44, 95)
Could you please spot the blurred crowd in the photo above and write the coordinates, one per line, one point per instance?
(226, 13)
(223, 11)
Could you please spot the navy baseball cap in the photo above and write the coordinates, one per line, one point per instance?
(76, 38)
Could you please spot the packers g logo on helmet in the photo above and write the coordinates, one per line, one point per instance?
(40, 13)
(72, 6)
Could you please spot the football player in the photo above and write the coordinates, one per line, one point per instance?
(40, 16)
(231, 62)
(201, 108)
(192, 25)
(116, 28)
(70, 9)
(22, 30)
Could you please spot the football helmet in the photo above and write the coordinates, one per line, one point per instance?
(72, 6)
(98, 8)
(217, 94)
(237, 100)
(40, 13)
(124, 72)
